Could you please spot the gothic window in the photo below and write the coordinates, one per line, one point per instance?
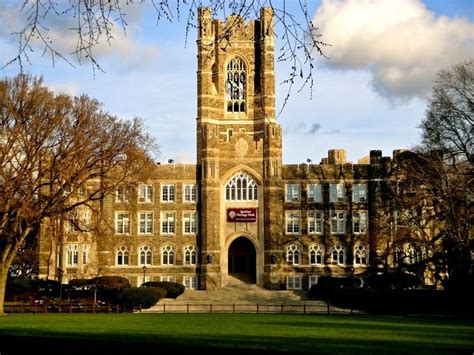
(241, 188)
(338, 255)
(167, 255)
(360, 255)
(190, 255)
(293, 254)
(316, 255)
(72, 252)
(145, 253)
(123, 256)
(236, 85)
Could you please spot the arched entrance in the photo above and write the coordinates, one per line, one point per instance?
(242, 260)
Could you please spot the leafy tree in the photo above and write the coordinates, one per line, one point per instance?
(57, 153)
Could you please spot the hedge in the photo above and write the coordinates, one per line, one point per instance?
(109, 288)
(399, 280)
(390, 301)
(143, 297)
(321, 290)
(173, 289)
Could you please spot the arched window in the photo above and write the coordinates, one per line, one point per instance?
(145, 253)
(72, 252)
(236, 85)
(241, 188)
(122, 256)
(338, 255)
(316, 253)
(360, 255)
(293, 254)
(167, 255)
(190, 255)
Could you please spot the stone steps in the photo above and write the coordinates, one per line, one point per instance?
(241, 297)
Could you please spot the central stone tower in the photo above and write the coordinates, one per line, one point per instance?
(237, 138)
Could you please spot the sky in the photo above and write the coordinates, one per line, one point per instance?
(369, 93)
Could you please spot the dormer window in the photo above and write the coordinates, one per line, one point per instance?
(236, 85)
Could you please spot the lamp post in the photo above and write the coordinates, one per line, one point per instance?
(60, 279)
(144, 273)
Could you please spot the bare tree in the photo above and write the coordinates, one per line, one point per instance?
(449, 122)
(438, 177)
(57, 153)
(94, 21)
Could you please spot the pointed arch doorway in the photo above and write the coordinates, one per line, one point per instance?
(242, 260)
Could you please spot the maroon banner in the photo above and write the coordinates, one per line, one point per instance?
(241, 215)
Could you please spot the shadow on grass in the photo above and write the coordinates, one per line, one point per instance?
(15, 345)
(233, 334)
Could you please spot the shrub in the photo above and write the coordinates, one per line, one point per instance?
(49, 288)
(80, 289)
(80, 283)
(19, 288)
(323, 289)
(397, 301)
(110, 282)
(20, 285)
(145, 297)
(398, 281)
(109, 288)
(173, 289)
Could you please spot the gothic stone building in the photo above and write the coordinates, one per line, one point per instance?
(239, 209)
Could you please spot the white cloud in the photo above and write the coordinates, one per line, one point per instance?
(402, 43)
(64, 88)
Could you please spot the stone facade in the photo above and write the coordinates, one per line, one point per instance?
(310, 219)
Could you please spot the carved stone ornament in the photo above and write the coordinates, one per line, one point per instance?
(241, 147)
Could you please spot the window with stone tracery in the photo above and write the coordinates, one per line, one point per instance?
(241, 188)
(167, 255)
(145, 252)
(122, 256)
(236, 85)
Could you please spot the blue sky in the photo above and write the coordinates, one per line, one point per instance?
(370, 94)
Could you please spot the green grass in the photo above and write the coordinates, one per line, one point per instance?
(233, 333)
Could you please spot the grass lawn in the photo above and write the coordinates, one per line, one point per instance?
(232, 333)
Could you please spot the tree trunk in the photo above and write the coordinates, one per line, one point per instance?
(3, 285)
